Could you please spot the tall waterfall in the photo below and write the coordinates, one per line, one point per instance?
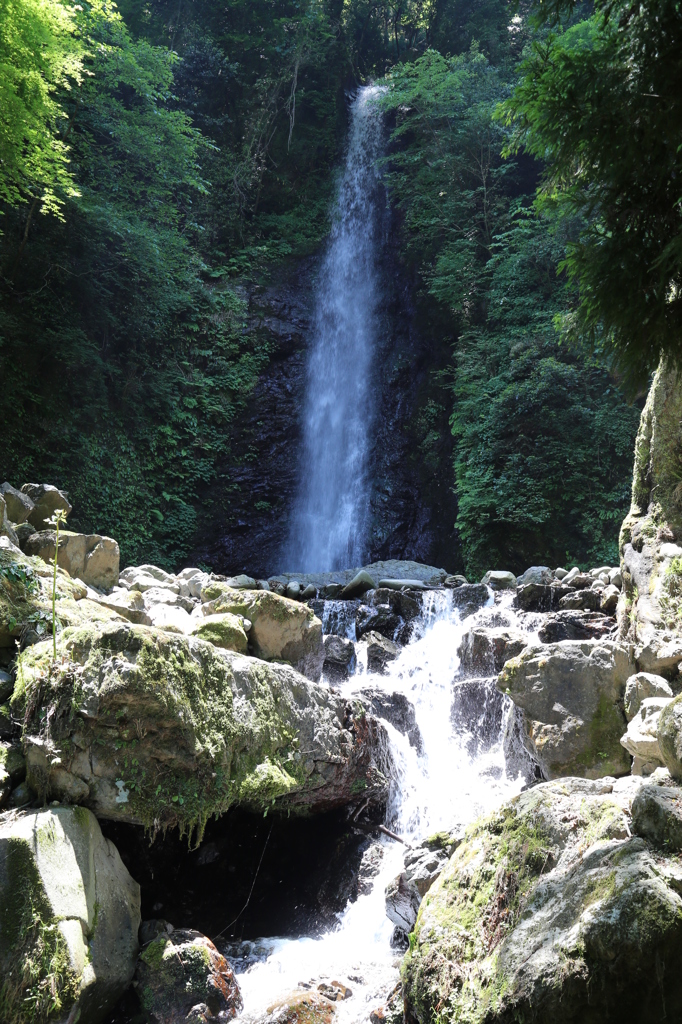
(331, 515)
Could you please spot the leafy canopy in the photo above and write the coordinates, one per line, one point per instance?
(600, 102)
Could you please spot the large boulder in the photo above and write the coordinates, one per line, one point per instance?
(69, 917)
(87, 557)
(18, 505)
(550, 912)
(145, 726)
(182, 977)
(281, 629)
(657, 816)
(571, 694)
(46, 501)
(575, 624)
(640, 686)
(641, 738)
(226, 630)
(669, 736)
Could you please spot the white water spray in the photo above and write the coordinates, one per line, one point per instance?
(330, 518)
(444, 787)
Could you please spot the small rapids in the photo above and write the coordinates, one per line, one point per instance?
(461, 773)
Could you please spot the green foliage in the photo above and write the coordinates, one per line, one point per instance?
(601, 103)
(543, 438)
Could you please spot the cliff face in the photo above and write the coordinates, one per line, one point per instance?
(651, 536)
(412, 505)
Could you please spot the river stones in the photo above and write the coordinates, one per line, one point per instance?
(169, 730)
(571, 694)
(550, 911)
(181, 977)
(359, 585)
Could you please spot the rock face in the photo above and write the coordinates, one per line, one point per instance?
(657, 816)
(46, 501)
(87, 557)
(402, 902)
(281, 629)
(166, 730)
(571, 695)
(550, 912)
(56, 864)
(397, 710)
(669, 735)
(182, 977)
(651, 536)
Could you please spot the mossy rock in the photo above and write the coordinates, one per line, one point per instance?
(281, 629)
(69, 917)
(549, 912)
(26, 596)
(144, 726)
(223, 630)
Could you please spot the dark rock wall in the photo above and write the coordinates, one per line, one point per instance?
(412, 505)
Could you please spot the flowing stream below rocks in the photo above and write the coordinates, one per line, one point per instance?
(469, 760)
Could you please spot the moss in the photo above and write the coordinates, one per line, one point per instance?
(40, 984)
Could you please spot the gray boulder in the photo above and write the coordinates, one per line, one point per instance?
(396, 709)
(499, 580)
(470, 598)
(546, 913)
(359, 585)
(402, 902)
(46, 501)
(641, 738)
(587, 600)
(19, 506)
(483, 651)
(642, 685)
(536, 574)
(575, 625)
(571, 694)
(56, 864)
(87, 557)
(169, 730)
(380, 651)
(339, 657)
(657, 816)
(6, 527)
(670, 737)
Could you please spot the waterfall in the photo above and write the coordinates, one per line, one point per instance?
(464, 769)
(331, 514)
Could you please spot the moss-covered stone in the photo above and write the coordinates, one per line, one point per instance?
(69, 915)
(144, 726)
(281, 629)
(548, 911)
(26, 596)
(223, 630)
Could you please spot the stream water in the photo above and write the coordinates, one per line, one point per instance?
(329, 522)
(460, 774)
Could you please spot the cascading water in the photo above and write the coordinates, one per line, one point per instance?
(329, 524)
(458, 772)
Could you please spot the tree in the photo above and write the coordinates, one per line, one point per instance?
(600, 102)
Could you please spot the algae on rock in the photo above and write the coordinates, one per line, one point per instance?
(549, 912)
(155, 728)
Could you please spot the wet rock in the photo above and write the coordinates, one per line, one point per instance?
(46, 501)
(575, 625)
(12, 769)
(396, 709)
(642, 685)
(499, 580)
(380, 651)
(378, 619)
(370, 867)
(339, 657)
(657, 816)
(18, 505)
(84, 943)
(641, 738)
(359, 585)
(301, 1008)
(540, 574)
(484, 651)
(424, 865)
(587, 600)
(223, 630)
(588, 892)
(571, 694)
(182, 977)
(334, 991)
(477, 711)
(402, 902)
(540, 597)
(222, 730)
(470, 598)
